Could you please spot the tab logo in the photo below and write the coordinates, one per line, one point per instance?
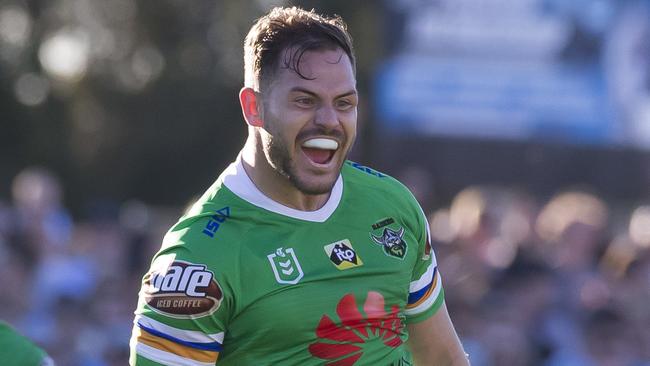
(285, 265)
(343, 255)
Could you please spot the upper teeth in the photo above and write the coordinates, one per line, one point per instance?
(321, 143)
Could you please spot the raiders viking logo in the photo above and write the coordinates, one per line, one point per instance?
(392, 242)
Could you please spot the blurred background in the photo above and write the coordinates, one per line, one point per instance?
(522, 126)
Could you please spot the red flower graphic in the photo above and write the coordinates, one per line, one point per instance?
(342, 343)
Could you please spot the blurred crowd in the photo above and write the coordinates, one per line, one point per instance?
(71, 285)
(563, 280)
(529, 279)
(564, 284)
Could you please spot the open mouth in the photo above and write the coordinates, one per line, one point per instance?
(320, 150)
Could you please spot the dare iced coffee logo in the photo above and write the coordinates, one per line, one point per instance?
(182, 290)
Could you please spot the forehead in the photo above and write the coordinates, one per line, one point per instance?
(324, 71)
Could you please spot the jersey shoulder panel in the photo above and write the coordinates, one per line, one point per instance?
(365, 177)
(188, 295)
(212, 223)
(369, 186)
(361, 174)
(16, 349)
(375, 190)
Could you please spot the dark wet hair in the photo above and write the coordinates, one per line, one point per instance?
(293, 29)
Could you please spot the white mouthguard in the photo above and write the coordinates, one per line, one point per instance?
(321, 143)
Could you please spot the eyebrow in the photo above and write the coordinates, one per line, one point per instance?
(307, 91)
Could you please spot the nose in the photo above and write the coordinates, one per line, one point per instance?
(326, 117)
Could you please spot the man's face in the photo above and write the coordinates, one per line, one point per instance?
(310, 124)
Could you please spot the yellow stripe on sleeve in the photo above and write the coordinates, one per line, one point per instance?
(427, 294)
(165, 345)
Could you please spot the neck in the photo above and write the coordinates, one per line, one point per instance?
(275, 185)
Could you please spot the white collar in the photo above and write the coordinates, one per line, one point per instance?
(236, 179)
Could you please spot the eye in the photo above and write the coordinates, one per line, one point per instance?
(304, 101)
(344, 104)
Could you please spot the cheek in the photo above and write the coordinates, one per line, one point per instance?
(278, 136)
(291, 123)
(349, 123)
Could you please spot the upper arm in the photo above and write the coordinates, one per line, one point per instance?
(182, 312)
(432, 338)
(435, 342)
(426, 294)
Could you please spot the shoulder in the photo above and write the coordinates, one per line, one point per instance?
(363, 179)
(207, 231)
(19, 348)
(376, 190)
(190, 274)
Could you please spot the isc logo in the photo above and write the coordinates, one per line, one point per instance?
(366, 169)
(182, 290)
(215, 221)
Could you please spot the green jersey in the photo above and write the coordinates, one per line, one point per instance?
(245, 280)
(16, 349)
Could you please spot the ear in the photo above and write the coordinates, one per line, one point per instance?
(250, 106)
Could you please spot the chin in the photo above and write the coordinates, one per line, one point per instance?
(318, 186)
(312, 182)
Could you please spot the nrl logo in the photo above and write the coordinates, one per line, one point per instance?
(285, 265)
(392, 242)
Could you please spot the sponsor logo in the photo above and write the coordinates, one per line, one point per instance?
(384, 222)
(285, 265)
(343, 342)
(343, 255)
(181, 289)
(215, 221)
(367, 170)
(392, 242)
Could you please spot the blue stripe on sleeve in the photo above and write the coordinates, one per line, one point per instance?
(417, 295)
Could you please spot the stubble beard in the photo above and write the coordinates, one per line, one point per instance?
(280, 160)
